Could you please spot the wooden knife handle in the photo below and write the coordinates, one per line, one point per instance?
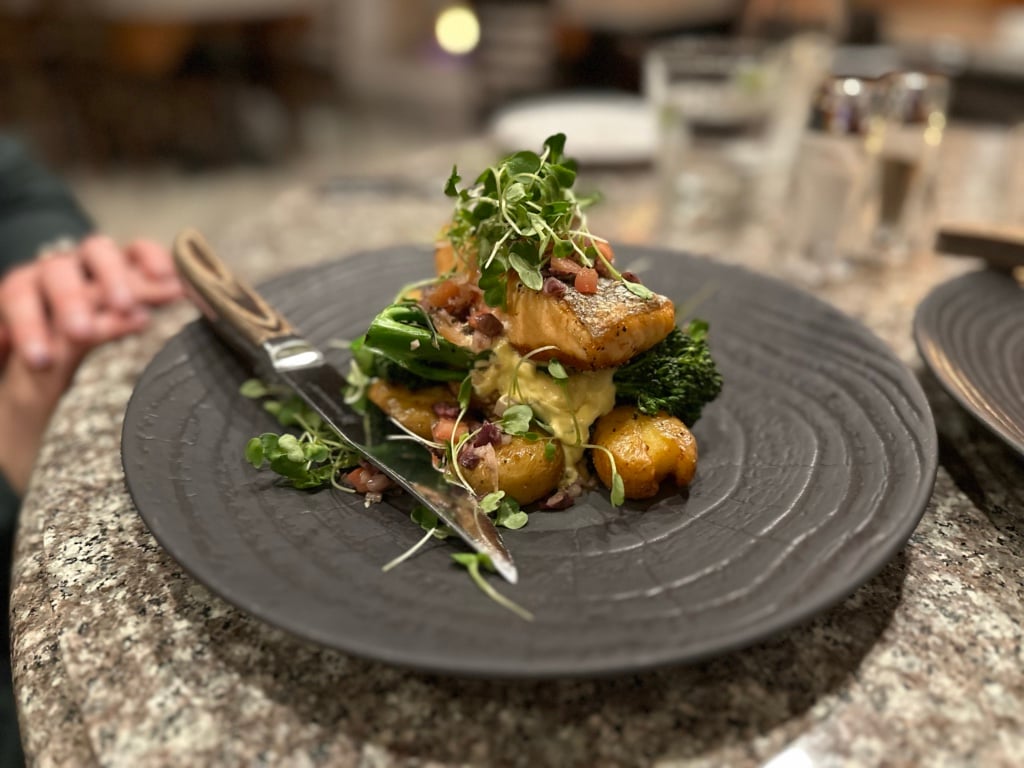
(236, 311)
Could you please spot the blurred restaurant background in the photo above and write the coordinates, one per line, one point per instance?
(241, 97)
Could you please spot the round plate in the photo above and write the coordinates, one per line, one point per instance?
(606, 128)
(970, 332)
(816, 464)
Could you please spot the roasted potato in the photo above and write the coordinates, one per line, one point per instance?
(520, 468)
(647, 450)
(521, 471)
(412, 408)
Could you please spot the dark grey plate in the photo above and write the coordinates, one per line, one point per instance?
(816, 464)
(970, 332)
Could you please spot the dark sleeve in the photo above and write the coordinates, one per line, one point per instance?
(36, 207)
(10, 503)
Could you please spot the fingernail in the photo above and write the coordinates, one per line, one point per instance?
(121, 298)
(80, 325)
(37, 354)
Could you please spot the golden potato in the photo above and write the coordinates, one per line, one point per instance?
(520, 468)
(522, 471)
(412, 408)
(647, 450)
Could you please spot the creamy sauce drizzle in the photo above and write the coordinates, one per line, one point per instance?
(568, 408)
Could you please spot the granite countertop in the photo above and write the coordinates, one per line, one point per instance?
(121, 658)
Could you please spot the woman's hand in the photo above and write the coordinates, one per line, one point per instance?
(28, 397)
(53, 311)
(91, 293)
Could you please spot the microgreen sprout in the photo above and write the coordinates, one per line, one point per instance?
(409, 291)
(473, 562)
(457, 442)
(491, 501)
(410, 551)
(637, 289)
(561, 377)
(505, 510)
(408, 434)
(516, 419)
(514, 383)
(509, 515)
(454, 449)
(617, 495)
(312, 459)
(520, 212)
(557, 370)
(430, 523)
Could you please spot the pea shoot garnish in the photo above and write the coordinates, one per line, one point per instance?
(313, 458)
(518, 214)
(473, 562)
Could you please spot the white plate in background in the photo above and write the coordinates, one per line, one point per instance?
(600, 128)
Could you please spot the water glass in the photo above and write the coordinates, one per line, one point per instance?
(714, 99)
(863, 188)
(906, 156)
(830, 211)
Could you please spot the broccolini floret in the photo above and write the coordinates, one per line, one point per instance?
(677, 375)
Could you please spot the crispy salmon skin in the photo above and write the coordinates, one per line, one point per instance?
(588, 331)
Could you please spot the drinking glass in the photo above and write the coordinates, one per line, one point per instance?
(715, 103)
(863, 188)
(906, 156)
(830, 212)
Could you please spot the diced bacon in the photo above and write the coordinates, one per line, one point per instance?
(455, 296)
(378, 482)
(368, 480)
(560, 267)
(444, 430)
(586, 281)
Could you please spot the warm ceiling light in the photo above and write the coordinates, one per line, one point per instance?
(457, 29)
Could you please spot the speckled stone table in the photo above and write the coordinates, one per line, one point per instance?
(121, 659)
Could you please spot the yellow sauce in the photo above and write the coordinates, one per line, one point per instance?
(568, 408)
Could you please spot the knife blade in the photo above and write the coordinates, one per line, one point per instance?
(265, 339)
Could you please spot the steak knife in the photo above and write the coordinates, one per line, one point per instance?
(265, 339)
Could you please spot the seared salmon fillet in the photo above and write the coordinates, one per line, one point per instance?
(600, 330)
